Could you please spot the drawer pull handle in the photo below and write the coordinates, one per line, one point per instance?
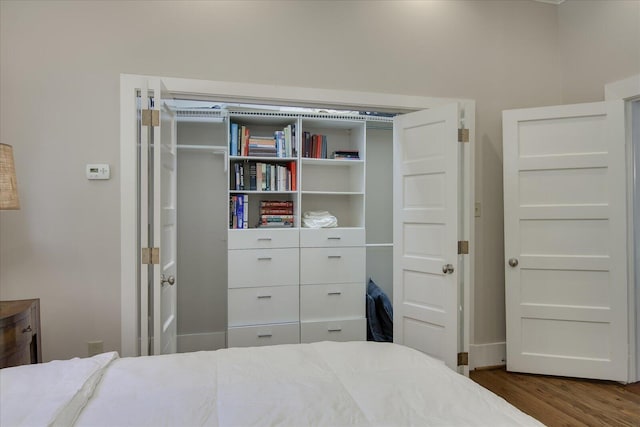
(264, 296)
(264, 238)
(334, 330)
(265, 335)
(334, 256)
(27, 329)
(334, 238)
(334, 293)
(264, 258)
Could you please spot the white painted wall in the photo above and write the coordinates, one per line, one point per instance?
(59, 105)
(599, 43)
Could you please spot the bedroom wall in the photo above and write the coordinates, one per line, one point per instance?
(59, 106)
(599, 43)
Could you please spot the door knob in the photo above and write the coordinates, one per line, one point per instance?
(447, 269)
(513, 262)
(163, 280)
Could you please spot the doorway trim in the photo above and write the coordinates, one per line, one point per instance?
(269, 94)
(628, 90)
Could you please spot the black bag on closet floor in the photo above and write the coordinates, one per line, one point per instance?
(379, 314)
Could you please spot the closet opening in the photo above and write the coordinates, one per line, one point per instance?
(202, 207)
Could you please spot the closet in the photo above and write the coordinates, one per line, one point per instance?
(201, 235)
(404, 211)
(260, 286)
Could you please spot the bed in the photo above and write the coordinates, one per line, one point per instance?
(318, 384)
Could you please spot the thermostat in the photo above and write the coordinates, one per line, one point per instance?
(98, 171)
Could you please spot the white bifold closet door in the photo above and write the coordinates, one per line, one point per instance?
(566, 240)
(162, 224)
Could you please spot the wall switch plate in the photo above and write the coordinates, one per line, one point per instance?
(98, 171)
(477, 209)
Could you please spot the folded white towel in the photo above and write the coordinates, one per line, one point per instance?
(319, 219)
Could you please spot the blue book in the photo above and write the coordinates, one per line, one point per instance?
(233, 144)
(240, 212)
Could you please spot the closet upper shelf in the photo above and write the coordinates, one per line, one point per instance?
(262, 158)
(331, 162)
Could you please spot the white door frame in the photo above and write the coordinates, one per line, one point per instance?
(629, 90)
(248, 92)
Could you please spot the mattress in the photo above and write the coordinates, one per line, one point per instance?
(318, 384)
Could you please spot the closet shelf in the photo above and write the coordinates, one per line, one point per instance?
(331, 162)
(335, 193)
(212, 148)
(260, 192)
(268, 159)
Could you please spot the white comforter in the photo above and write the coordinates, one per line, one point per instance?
(319, 384)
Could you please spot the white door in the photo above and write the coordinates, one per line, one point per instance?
(565, 240)
(158, 222)
(165, 184)
(425, 235)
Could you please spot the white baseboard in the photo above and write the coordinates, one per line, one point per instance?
(484, 355)
(202, 341)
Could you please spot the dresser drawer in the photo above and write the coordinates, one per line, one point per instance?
(336, 301)
(252, 336)
(257, 238)
(338, 330)
(16, 334)
(331, 237)
(263, 267)
(271, 304)
(332, 265)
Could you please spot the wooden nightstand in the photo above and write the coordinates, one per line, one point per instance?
(20, 332)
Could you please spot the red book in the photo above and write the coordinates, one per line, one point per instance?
(294, 180)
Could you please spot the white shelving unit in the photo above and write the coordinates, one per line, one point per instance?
(290, 285)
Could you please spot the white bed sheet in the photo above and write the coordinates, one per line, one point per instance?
(318, 384)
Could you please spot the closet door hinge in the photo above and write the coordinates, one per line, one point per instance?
(463, 135)
(150, 117)
(463, 247)
(150, 255)
(463, 359)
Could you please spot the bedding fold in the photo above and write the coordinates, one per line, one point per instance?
(50, 394)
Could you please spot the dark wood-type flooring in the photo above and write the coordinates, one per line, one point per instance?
(558, 401)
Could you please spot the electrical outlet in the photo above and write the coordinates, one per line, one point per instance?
(477, 209)
(95, 347)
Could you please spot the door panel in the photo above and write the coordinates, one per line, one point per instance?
(164, 226)
(426, 154)
(565, 225)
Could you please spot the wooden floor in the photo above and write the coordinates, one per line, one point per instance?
(557, 401)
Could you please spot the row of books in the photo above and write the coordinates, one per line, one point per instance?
(314, 146)
(260, 176)
(273, 213)
(276, 213)
(239, 211)
(281, 144)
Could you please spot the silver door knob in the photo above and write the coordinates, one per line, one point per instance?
(163, 280)
(447, 269)
(513, 262)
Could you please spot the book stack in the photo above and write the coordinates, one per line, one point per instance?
(262, 146)
(281, 144)
(314, 146)
(276, 214)
(239, 211)
(346, 154)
